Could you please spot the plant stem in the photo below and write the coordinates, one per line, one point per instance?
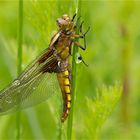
(126, 72)
(19, 58)
(74, 69)
(20, 36)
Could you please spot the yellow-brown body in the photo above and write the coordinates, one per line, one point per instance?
(61, 43)
(54, 59)
(63, 48)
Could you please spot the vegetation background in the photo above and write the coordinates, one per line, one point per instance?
(100, 112)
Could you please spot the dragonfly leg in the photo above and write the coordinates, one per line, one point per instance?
(73, 17)
(82, 36)
(80, 46)
(76, 24)
(81, 30)
(70, 51)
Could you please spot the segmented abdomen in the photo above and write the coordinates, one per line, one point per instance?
(64, 79)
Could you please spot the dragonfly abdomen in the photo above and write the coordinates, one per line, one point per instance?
(67, 88)
(65, 84)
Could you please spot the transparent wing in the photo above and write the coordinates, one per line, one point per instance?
(33, 86)
(31, 93)
(40, 90)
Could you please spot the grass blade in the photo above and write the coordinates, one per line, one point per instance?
(74, 69)
(19, 58)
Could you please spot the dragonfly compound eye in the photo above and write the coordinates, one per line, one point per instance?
(64, 22)
(61, 22)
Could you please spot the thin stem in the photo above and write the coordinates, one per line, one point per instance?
(74, 69)
(20, 36)
(126, 72)
(19, 58)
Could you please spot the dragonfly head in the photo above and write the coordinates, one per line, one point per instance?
(65, 23)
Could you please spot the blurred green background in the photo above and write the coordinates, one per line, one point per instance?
(100, 112)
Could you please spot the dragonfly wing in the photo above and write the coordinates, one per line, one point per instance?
(31, 93)
(40, 90)
(34, 85)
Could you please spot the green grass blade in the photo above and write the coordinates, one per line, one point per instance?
(74, 69)
(19, 58)
(20, 36)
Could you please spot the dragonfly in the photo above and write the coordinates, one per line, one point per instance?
(50, 68)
